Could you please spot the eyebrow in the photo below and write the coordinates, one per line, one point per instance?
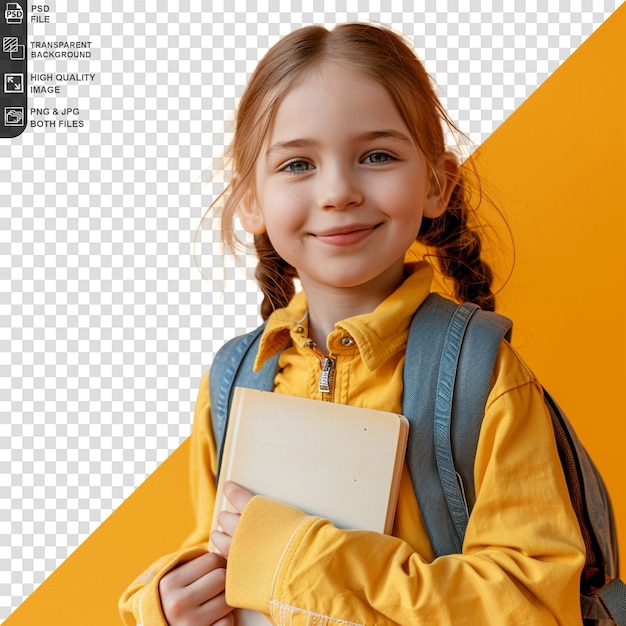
(386, 134)
(367, 136)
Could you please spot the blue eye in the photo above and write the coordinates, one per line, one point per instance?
(378, 158)
(296, 166)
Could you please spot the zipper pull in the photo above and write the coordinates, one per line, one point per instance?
(327, 375)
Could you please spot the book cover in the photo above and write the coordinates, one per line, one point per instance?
(336, 461)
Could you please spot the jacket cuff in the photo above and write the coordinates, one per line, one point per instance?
(264, 530)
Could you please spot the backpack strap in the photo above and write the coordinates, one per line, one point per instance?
(463, 341)
(234, 362)
(613, 596)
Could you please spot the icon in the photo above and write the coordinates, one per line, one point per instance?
(16, 51)
(14, 116)
(13, 13)
(14, 83)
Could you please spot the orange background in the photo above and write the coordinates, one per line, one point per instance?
(556, 168)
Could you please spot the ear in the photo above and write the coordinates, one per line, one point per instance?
(444, 177)
(250, 214)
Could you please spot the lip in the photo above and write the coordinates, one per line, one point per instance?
(346, 235)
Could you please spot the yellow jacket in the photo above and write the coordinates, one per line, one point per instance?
(522, 554)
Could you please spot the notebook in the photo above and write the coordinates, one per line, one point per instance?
(336, 461)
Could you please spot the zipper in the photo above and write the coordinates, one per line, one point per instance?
(326, 381)
(327, 375)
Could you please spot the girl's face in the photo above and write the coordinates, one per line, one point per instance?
(341, 187)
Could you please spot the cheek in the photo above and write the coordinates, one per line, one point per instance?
(404, 191)
(406, 205)
(284, 212)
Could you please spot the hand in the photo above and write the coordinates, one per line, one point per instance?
(193, 593)
(228, 521)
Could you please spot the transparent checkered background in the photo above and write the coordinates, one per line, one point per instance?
(106, 325)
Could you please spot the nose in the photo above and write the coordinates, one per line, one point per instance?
(339, 188)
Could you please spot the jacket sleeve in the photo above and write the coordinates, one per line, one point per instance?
(140, 603)
(521, 559)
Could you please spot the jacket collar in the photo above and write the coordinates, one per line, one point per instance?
(378, 335)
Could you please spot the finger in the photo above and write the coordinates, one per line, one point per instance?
(237, 496)
(217, 615)
(190, 571)
(221, 541)
(209, 587)
(202, 597)
(214, 611)
(228, 620)
(228, 522)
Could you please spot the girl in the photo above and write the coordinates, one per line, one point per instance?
(339, 166)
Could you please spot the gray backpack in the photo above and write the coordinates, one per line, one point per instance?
(445, 404)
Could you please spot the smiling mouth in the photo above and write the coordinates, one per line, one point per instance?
(346, 236)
